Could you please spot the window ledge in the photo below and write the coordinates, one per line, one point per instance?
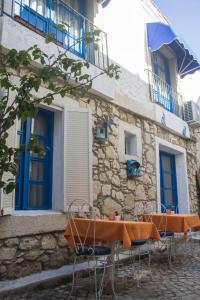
(35, 212)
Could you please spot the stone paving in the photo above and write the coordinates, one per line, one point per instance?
(181, 281)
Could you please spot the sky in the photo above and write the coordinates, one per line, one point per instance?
(184, 17)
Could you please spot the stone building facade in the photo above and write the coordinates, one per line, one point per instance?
(138, 128)
(112, 191)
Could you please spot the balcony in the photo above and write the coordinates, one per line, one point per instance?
(44, 19)
(1, 8)
(163, 94)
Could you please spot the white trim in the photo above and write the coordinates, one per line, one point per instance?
(181, 173)
(135, 131)
(35, 212)
(90, 156)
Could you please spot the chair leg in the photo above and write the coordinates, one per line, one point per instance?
(73, 280)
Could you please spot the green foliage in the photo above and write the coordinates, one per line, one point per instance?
(55, 72)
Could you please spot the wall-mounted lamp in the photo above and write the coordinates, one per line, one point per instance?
(102, 128)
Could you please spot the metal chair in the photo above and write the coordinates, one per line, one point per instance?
(138, 248)
(166, 237)
(99, 258)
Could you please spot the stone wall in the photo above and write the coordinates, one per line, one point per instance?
(21, 256)
(111, 188)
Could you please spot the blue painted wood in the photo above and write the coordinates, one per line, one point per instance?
(163, 72)
(163, 185)
(26, 158)
(46, 24)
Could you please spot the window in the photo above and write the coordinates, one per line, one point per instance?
(130, 142)
(34, 174)
(161, 66)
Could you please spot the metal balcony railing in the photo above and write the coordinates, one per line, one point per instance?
(163, 94)
(1, 7)
(43, 19)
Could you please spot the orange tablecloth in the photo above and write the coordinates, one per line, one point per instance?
(175, 222)
(106, 230)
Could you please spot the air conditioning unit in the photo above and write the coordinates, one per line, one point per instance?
(192, 113)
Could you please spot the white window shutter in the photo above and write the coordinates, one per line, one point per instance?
(78, 156)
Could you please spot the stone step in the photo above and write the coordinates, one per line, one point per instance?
(44, 278)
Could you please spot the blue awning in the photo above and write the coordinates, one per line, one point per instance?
(159, 34)
(104, 3)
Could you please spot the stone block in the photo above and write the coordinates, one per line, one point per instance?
(110, 206)
(3, 269)
(7, 253)
(115, 180)
(96, 189)
(33, 254)
(106, 190)
(62, 242)
(129, 201)
(12, 242)
(140, 193)
(131, 185)
(29, 243)
(110, 152)
(48, 242)
(103, 177)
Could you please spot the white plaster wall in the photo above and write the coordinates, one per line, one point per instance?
(190, 87)
(125, 23)
(132, 90)
(23, 38)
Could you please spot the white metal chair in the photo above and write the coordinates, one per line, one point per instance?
(138, 249)
(166, 237)
(99, 258)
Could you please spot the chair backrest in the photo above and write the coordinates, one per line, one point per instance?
(81, 234)
(162, 226)
(137, 211)
(172, 208)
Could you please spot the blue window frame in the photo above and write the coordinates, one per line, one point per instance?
(34, 180)
(43, 16)
(168, 184)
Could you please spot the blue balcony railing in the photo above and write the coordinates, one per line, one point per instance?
(1, 7)
(163, 94)
(44, 16)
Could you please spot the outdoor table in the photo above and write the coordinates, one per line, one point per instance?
(173, 222)
(115, 230)
(110, 231)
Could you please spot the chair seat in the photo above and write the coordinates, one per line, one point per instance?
(92, 250)
(138, 242)
(166, 233)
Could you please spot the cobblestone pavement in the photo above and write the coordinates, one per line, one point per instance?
(180, 281)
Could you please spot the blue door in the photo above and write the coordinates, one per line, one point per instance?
(34, 182)
(168, 186)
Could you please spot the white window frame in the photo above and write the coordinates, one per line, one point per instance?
(124, 128)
